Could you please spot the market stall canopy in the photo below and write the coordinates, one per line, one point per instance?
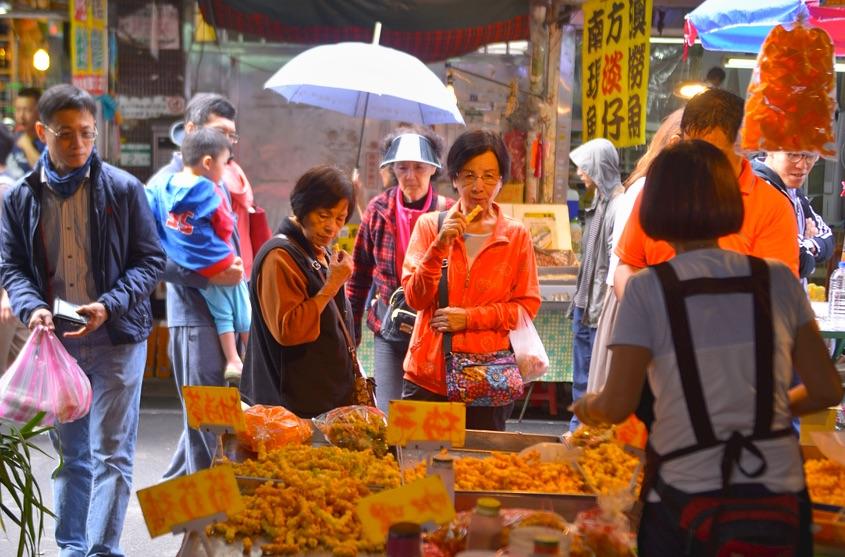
(729, 25)
(431, 30)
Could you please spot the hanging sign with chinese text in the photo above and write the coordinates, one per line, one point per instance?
(180, 501)
(89, 45)
(213, 407)
(418, 421)
(615, 55)
(419, 501)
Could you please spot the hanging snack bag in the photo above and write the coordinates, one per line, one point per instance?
(791, 98)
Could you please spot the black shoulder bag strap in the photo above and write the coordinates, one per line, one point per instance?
(443, 290)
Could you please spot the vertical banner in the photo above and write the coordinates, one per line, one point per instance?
(89, 45)
(615, 56)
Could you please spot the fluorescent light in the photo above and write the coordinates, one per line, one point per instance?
(666, 40)
(749, 63)
(689, 89)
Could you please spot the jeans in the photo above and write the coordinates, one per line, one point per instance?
(388, 358)
(583, 338)
(492, 418)
(197, 359)
(92, 488)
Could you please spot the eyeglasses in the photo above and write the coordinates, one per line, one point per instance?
(68, 135)
(468, 178)
(795, 158)
(231, 136)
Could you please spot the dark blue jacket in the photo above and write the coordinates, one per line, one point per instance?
(126, 255)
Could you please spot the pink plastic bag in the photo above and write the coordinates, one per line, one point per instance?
(44, 378)
(530, 353)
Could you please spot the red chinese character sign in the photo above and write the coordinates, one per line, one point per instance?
(615, 55)
(89, 45)
(419, 501)
(411, 421)
(178, 502)
(214, 407)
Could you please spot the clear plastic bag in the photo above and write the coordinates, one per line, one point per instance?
(791, 100)
(358, 428)
(605, 530)
(273, 427)
(530, 353)
(44, 378)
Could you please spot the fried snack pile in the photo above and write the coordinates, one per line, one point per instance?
(791, 98)
(607, 467)
(310, 506)
(825, 481)
(358, 428)
(273, 427)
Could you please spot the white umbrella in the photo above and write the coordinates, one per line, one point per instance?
(366, 80)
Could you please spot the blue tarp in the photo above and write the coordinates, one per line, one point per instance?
(742, 25)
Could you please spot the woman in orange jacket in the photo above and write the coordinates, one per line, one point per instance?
(491, 275)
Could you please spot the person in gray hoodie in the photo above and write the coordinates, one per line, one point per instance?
(597, 162)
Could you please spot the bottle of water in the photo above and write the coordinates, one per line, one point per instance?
(836, 298)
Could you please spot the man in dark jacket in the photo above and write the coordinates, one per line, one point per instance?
(79, 229)
(787, 173)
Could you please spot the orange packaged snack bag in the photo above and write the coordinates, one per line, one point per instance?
(792, 94)
(273, 427)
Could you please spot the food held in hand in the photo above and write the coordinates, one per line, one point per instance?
(474, 213)
(791, 98)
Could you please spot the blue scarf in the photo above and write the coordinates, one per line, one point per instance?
(65, 185)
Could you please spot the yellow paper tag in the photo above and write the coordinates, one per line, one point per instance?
(176, 502)
(413, 420)
(213, 406)
(419, 501)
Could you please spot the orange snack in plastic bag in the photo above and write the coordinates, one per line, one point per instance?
(792, 94)
(273, 427)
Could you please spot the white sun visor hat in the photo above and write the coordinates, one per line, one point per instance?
(410, 147)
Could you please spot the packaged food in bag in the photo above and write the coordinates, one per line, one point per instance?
(791, 99)
(273, 427)
(531, 357)
(358, 428)
(44, 378)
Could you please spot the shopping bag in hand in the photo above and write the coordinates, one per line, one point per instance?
(44, 378)
(530, 353)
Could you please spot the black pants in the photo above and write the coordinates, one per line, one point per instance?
(660, 535)
(478, 417)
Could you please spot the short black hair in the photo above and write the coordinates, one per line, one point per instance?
(203, 105)
(321, 187)
(713, 109)
(691, 193)
(64, 97)
(7, 142)
(30, 92)
(472, 143)
(202, 143)
(715, 75)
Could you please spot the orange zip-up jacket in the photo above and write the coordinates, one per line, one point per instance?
(503, 277)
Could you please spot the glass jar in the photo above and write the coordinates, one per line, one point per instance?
(403, 540)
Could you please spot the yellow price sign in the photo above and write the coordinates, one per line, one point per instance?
(420, 501)
(213, 406)
(414, 420)
(176, 502)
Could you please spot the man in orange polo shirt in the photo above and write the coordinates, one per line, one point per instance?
(769, 228)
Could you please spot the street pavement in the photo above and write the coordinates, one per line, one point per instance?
(158, 432)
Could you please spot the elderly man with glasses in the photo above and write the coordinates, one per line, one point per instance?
(79, 229)
(787, 172)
